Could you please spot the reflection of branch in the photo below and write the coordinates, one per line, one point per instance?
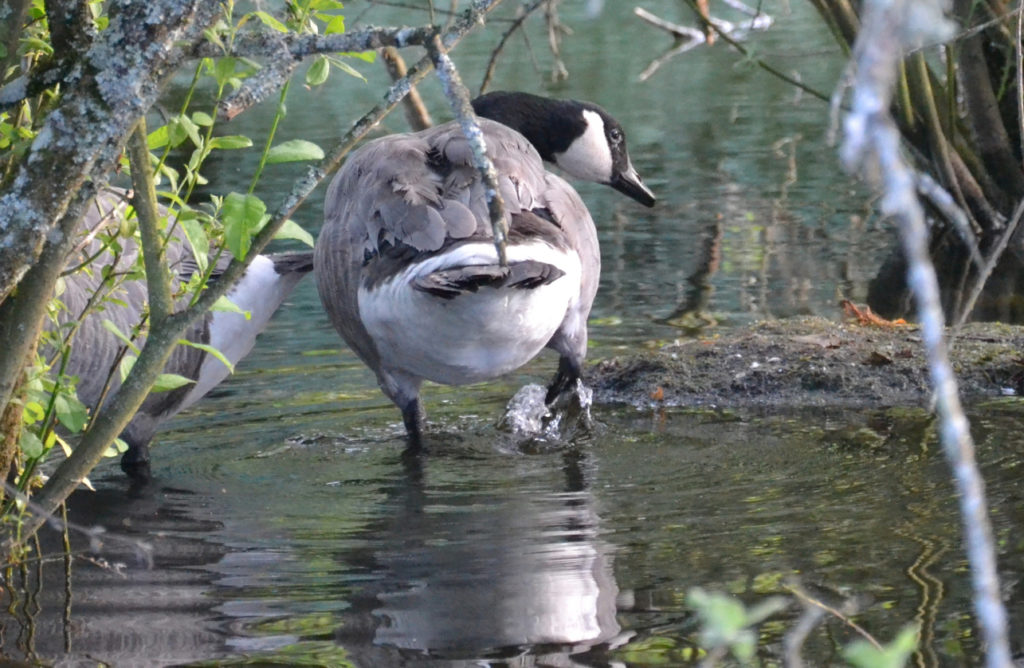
(690, 313)
(96, 534)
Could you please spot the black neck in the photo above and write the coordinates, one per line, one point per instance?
(550, 125)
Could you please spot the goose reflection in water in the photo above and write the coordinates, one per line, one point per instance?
(470, 574)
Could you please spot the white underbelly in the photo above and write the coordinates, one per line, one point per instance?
(475, 336)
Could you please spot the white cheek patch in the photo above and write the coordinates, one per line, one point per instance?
(589, 157)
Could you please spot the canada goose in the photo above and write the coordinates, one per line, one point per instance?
(96, 351)
(405, 262)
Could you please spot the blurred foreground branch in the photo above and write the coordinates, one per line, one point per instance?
(872, 147)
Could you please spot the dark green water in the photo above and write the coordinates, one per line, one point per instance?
(285, 527)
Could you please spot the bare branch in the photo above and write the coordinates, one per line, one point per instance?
(271, 44)
(943, 202)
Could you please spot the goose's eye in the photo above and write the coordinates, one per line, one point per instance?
(615, 135)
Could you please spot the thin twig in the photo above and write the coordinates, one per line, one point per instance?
(731, 35)
(676, 30)
(940, 198)
(524, 12)
(555, 27)
(793, 641)
(96, 534)
(809, 600)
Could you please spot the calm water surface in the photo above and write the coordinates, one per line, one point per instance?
(286, 528)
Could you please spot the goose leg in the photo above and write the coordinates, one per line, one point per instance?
(570, 370)
(404, 391)
(413, 417)
(135, 462)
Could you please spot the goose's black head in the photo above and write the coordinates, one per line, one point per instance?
(580, 137)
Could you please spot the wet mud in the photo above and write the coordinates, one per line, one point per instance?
(811, 361)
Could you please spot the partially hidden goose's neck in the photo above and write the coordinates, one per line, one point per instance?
(550, 125)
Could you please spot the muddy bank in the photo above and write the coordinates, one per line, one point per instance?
(803, 362)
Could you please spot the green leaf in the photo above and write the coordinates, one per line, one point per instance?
(33, 43)
(30, 445)
(294, 151)
(112, 328)
(202, 118)
(224, 70)
(71, 412)
(169, 381)
(335, 25)
(127, 362)
(211, 350)
(365, 56)
(325, 5)
(190, 129)
(348, 69)
(242, 216)
(894, 655)
(231, 141)
(197, 239)
(158, 138)
(227, 306)
(213, 37)
(178, 132)
(271, 22)
(292, 230)
(33, 412)
(173, 133)
(318, 71)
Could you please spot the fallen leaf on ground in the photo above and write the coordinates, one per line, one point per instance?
(865, 316)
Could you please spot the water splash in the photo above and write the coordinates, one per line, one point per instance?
(528, 417)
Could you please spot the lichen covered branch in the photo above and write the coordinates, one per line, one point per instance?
(458, 97)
